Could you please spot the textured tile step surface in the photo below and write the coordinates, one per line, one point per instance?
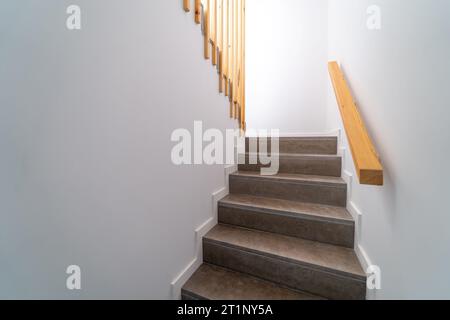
(323, 165)
(327, 257)
(302, 145)
(292, 208)
(295, 187)
(299, 178)
(325, 270)
(215, 283)
(328, 224)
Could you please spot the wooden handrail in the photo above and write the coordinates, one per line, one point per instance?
(223, 23)
(365, 157)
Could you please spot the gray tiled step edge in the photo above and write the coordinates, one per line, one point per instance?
(215, 283)
(295, 187)
(329, 271)
(328, 224)
(304, 145)
(321, 165)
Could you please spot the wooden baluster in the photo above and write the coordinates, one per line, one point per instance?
(198, 11)
(187, 5)
(231, 63)
(207, 30)
(225, 83)
(244, 126)
(239, 68)
(235, 59)
(239, 101)
(223, 26)
(226, 60)
(238, 62)
(221, 42)
(213, 20)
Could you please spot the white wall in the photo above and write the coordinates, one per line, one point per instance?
(286, 65)
(85, 125)
(86, 118)
(400, 77)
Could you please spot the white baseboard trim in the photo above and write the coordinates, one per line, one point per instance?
(348, 178)
(230, 169)
(357, 216)
(216, 197)
(363, 257)
(365, 261)
(187, 272)
(200, 232)
(341, 153)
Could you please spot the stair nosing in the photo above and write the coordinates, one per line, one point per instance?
(300, 179)
(193, 295)
(246, 275)
(302, 263)
(296, 155)
(296, 215)
(299, 138)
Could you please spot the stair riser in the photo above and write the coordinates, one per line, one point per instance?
(214, 283)
(189, 296)
(335, 233)
(295, 276)
(319, 166)
(324, 146)
(334, 195)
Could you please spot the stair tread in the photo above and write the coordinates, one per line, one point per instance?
(303, 145)
(337, 181)
(304, 138)
(216, 283)
(298, 155)
(330, 258)
(292, 208)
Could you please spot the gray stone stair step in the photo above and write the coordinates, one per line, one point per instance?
(328, 224)
(295, 187)
(325, 270)
(321, 165)
(215, 283)
(303, 145)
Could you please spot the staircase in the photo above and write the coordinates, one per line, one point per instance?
(283, 237)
